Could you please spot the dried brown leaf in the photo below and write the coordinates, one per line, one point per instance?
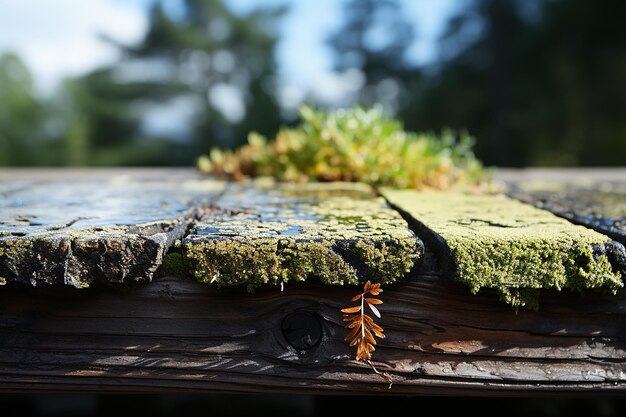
(354, 323)
(352, 333)
(363, 354)
(363, 330)
(374, 310)
(368, 319)
(376, 327)
(351, 310)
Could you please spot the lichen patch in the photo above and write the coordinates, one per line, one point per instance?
(496, 242)
(264, 232)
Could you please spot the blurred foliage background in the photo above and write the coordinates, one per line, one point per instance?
(537, 82)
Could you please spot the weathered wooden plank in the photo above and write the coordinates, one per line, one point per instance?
(266, 232)
(600, 205)
(175, 335)
(96, 229)
(492, 241)
(178, 335)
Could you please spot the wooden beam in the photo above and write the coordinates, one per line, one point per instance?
(176, 335)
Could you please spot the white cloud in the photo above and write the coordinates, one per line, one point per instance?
(61, 38)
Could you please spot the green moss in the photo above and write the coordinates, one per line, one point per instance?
(302, 260)
(376, 258)
(234, 262)
(14, 250)
(272, 233)
(173, 264)
(353, 145)
(512, 247)
(273, 261)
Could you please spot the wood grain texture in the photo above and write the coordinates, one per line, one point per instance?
(176, 335)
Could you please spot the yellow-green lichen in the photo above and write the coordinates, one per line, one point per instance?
(14, 250)
(376, 259)
(273, 261)
(12, 254)
(499, 243)
(275, 233)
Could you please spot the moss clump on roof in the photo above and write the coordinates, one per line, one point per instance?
(352, 145)
(499, 243)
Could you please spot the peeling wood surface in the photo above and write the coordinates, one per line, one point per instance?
(178, 335)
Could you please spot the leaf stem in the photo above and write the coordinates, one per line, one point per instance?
(383, 374)
(362, 313)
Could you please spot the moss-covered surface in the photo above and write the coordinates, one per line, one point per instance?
(108, 231)
(598, 205)
(491, 241)
(269, 233)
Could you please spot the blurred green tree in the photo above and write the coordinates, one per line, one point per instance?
(582, 48)
(202, 78)
(374, 39)
(537, 82)
(22, 115)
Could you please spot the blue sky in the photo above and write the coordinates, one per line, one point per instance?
(60, 38)
(302, 53)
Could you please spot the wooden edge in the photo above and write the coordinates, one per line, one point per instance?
(175, 335)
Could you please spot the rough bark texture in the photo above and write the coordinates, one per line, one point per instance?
(178, 335)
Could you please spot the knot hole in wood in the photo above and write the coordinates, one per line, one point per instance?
(302, 330)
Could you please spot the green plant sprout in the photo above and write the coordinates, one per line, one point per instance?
(355, 144)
